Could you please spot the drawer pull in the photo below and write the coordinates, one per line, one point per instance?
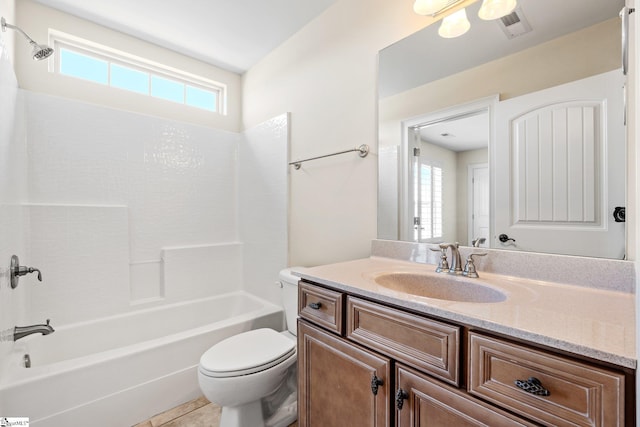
(375, 382)
(401, 395)
(315, 305)
(533, 386)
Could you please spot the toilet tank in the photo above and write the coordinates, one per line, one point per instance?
(289, 284)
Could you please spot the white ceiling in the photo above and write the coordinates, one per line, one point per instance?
(463, 134)
(231, 34)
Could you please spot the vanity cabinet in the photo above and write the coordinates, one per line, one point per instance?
(340, 384)
(362, 362)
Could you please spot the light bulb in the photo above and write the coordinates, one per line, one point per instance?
(494, 9)
(429, 7)
(454, 25)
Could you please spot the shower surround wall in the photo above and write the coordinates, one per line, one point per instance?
(130, 211)
(263, 215)
(13, 184)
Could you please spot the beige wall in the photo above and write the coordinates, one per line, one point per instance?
(326, 76)
(35, 19)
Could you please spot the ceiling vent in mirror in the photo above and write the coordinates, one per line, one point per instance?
(514, 24)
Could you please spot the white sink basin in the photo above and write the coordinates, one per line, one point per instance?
(440, 287)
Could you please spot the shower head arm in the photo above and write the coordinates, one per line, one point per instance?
(4, 24)
(39, 52)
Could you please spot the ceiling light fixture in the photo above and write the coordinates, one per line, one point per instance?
(454, 25)
(429, 7)
(457, 23)
(494, 9)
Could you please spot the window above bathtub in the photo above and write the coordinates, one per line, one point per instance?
(86, 60)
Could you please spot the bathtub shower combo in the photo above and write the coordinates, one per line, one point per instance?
(117, 353)
(122, 369)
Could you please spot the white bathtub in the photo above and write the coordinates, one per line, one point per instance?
(121, 370)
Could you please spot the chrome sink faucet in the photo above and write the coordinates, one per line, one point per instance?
(23, 331)
(456, 262)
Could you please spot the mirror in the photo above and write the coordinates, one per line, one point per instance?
(446, 114)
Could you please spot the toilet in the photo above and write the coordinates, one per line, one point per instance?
(252, 375)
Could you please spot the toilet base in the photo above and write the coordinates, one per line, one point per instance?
(249, 414)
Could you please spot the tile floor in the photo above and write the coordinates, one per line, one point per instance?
(196, 413)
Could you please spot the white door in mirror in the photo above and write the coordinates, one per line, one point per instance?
(480, 205)
(565, 148)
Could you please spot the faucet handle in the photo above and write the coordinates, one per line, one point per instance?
(16, 270)
(35, 270)
(443, 265)
(470, 266)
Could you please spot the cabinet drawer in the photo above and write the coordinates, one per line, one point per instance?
(321, 306)
(425, 344)
(579, 394)
(425, 402)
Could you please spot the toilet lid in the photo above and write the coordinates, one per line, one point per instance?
(247, 353)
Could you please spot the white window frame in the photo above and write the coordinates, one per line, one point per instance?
(60, 40)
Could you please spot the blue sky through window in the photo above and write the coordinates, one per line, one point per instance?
(129, 79)
(107, 67)
(84, 67)
(167, 89)
(201, 98)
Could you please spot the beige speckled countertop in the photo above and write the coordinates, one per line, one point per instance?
(596, 323)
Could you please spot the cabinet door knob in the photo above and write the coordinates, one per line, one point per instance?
(401, 395)
(375, 382)
(533, 386)
(315, 305)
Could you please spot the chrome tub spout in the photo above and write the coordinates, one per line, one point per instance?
(23, 331)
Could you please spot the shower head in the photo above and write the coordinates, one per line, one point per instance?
(39, 52)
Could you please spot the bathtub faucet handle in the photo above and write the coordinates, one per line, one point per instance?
(35, 270)
(18, 270)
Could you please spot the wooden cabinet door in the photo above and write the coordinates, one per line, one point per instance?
(425, 402)
(335, 382)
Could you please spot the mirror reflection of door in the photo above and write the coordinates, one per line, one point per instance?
(565, 148)
(447, 203)
(479, 220)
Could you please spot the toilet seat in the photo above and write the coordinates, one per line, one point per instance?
(247, 353)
